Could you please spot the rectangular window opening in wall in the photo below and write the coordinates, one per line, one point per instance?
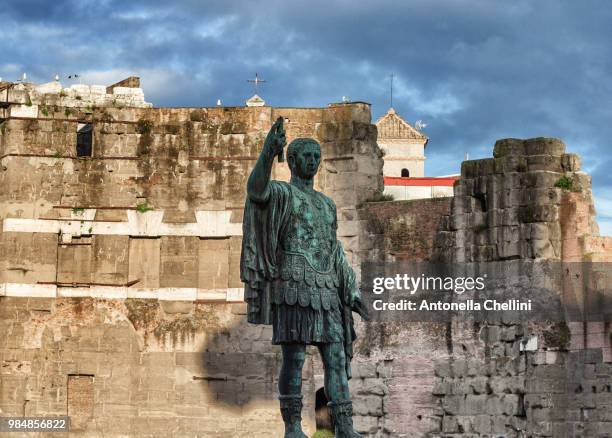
(84, 139)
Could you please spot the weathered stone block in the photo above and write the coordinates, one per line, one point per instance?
(593, 355)
(368, 405)
(364, 370)
(449, 424)
(458, 221)
(461, 387)
(541, 196)
(539, 213)
(454, 404)
(479, 385)
(172, 307)
(571, 162)
(475, 404)
(510, 216)
(509, 250)
(544, 146)
(510, 163)
(459, 367)
(544, 162)
(509, 147)
(441, 387)
(442, 368)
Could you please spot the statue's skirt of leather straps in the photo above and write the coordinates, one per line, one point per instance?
(305, 314)
(305, 326)
(305, 303)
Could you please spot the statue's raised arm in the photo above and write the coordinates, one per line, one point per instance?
(257, 186)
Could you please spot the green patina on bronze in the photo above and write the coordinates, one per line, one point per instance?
(297, 277)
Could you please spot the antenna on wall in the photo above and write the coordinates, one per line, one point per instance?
(391, 100)
(256, 82)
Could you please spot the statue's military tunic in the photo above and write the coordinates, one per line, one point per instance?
(305, 303)
(295, 274)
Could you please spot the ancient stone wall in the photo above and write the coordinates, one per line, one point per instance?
(143, 367)
(120, 297)
(401, 230)
(27, 99)
(178, 175)
(121, 304)
(394, 376)
(529, 202)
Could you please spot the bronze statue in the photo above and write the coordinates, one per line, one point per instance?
(297, 278)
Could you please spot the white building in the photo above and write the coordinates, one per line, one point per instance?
(404, 161)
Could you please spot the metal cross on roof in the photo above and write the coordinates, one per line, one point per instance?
(256, 81)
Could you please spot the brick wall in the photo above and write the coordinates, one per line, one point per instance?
(402, 230)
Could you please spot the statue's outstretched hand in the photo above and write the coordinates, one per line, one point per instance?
(276, 140)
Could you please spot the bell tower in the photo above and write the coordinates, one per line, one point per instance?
(404, 146)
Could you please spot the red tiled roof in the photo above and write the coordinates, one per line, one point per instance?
(447, 181)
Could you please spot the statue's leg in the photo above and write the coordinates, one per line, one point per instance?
(337, 390)
(290, 389)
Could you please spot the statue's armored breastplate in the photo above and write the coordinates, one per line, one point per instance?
(310, 230)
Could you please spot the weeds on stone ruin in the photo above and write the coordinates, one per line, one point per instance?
(143, 207)
(566, 183)
(78, 210)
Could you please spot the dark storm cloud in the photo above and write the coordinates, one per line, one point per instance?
(474, 70)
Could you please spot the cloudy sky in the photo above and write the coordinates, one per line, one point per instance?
(473, 70)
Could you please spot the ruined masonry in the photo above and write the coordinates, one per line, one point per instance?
(530, 201)
(120, 297)
(121, 303)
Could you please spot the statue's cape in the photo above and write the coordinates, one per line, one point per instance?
(262, 226)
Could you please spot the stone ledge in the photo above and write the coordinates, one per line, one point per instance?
(122, 292)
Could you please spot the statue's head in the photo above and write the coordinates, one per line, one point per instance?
(304, 157)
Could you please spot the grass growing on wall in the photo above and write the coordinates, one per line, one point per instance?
(143, 207)
(567, 183)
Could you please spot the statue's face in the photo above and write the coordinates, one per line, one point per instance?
(305, 163)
